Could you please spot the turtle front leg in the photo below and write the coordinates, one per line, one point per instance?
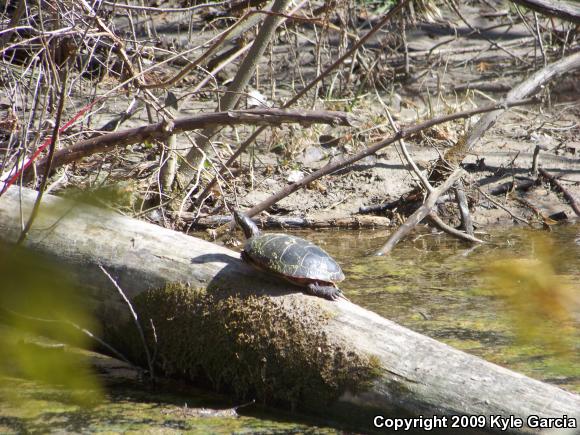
(324, 291)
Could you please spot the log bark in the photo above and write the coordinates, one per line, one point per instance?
(290, 222)
(260, 337)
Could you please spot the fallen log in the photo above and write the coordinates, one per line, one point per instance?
(289, 222)
(218, 320)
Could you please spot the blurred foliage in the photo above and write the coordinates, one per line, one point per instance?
(37, 300)
(542, 305)
(121, 194)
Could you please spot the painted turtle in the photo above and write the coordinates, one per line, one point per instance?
(292, 258)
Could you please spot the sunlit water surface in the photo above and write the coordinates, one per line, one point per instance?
(441, 287)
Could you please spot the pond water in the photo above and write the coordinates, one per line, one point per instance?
(443, 288)
(431, 283)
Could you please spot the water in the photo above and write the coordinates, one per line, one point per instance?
(441, 287)
(431, 283)
(135, 407)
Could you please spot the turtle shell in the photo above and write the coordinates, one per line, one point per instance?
(293, 258)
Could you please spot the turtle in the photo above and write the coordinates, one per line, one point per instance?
(292, 258)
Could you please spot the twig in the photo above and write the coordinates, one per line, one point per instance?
(239, 27)
(452, 231)
(27, 164)
(466, 222)
(351, 222)
(411, 162)
(12, 25)
(118, 43)
(165, 10)
(56, 182)
(478, 32)
(527, 87)
(70, 323)
(341, 163)
(566, 10)
(504, 208)
(228, 102)
(154, 331)
(546, 220)
(221, 65)
(102, 342)
(113, 124)
(393, 11)
(539, 38)
(422, 212)
(49, 158)
(168, 159)
(242, 24)
(135, 319)
(535, 160)
(569, 197)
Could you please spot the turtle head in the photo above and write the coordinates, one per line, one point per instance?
(246, 224)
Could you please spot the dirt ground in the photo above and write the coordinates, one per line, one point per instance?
(450, 69)
(504, 154)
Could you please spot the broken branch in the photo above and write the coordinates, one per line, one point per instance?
(421, 213)
(160, 130)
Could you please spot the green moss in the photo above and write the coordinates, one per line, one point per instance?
(276, 350)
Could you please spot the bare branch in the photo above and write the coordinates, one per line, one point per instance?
(420, 213)
(569, 197)
(49, 158)
(135, 319)
(392, 12)
(162, 130)
(341, 163)
(569, 11)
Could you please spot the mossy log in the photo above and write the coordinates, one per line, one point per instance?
(219, 322)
